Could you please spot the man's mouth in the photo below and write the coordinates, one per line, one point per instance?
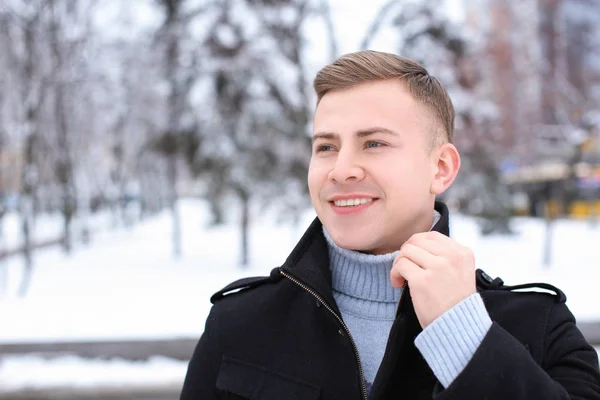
(352, 202)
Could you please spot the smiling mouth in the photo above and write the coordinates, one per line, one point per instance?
(352, 202)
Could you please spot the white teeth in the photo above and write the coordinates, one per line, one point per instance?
(351, 202)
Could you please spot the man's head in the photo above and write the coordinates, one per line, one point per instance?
(382, 136)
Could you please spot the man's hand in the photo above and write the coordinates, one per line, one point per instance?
(441, 273)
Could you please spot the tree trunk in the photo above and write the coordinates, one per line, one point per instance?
(29, 173)
(3, 267)
(216, 212)
(175, 218)
(67, 220)
(64, 170)
(26, 209)
(64, 164)
(174, 112)
(124, 206)
(244, 228)
(29, 179)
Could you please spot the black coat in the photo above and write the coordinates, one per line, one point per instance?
(282, 337)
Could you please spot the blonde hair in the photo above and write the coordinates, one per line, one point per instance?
(367, 66)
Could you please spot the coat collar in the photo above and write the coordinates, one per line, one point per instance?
(309, 261)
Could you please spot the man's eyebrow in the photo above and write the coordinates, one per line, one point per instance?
(376, 129)
(360, 133)
(325, 135)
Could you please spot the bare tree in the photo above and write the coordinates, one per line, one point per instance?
(64, 161)
(24, 32)
(127, 125)
(180, 123)
(3, 148)
(3, 177)
(263, 144)
(69, 30)
(127, 82)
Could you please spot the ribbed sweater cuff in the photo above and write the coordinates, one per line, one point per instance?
(449, 342)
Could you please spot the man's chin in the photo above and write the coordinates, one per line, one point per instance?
(361, 245)
(352, 243)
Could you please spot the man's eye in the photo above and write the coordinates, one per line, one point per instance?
(323, 147)
(371, 144)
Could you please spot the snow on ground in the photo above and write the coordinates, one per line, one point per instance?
(46, 227)
(68, 372)
(128, 286)
(18, 372)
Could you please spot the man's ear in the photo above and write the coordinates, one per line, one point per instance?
(447, 164)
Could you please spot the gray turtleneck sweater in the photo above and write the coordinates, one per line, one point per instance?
(368, 302)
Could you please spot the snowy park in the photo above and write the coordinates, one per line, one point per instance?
(138, 140)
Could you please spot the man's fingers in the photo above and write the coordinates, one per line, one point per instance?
(419, 255)
(437, 237)
(431, 246)
(403, 270)
(440, 245)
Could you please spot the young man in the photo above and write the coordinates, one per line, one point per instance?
(376, 301)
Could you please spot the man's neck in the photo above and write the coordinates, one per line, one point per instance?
(424, 226)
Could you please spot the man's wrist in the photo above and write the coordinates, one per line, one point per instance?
(449, 342)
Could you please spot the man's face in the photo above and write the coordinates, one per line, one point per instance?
(371, 171)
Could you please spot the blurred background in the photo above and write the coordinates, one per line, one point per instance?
(151, 151)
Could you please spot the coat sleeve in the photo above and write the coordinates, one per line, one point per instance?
(502, 367)
(203, 369)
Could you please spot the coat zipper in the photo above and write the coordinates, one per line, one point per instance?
(360, 368)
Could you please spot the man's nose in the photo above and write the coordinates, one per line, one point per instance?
(346, 169)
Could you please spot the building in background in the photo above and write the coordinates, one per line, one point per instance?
(540, 65)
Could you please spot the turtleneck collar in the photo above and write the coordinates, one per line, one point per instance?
(363, 276)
